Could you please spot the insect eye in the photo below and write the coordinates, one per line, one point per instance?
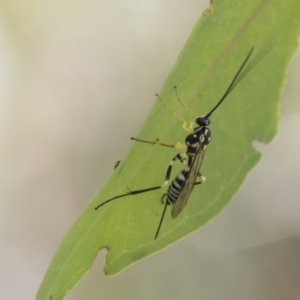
(203, 121)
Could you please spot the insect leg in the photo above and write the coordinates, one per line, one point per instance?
(182, 104)
(202, 179)
(180, 156)
(162, 216)
(184, 126)
(177, 145)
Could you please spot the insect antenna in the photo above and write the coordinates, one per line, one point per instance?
(232, 84)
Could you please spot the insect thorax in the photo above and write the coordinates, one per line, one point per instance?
(201, 135)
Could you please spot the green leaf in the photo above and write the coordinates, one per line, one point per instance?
(208, 62)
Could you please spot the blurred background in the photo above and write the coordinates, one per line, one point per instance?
(78, 78)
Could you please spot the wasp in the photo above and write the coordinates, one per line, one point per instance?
(196, 144)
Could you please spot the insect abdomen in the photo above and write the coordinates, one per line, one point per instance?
(177, 186)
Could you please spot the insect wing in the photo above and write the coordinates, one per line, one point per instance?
(183, 197)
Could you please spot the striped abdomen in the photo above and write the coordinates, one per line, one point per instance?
(177, 185)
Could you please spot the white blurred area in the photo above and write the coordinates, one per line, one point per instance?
(78, 79)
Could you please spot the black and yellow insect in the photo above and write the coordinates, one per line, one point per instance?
(196, 143)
